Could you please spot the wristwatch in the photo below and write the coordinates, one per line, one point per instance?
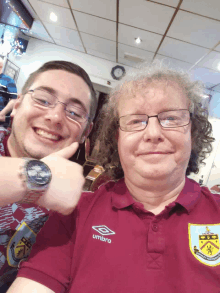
(36, 175)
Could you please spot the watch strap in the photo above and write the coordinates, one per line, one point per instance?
(32, 196)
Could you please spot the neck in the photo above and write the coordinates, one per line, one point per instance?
(156, 196)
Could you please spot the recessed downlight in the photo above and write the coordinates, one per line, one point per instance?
(53, 16)
(138, 40)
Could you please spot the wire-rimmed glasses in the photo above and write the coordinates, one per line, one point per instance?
(48, 100)
(167, 119)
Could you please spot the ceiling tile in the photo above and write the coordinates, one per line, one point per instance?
(127, 35)
(134, 52)
(124, 61)
(101, 55)
(62, 3)
(101, 8)
(96, 26)
(210, 8)
(211, 61)
(173, 63)
(38, 31)
(181, 50)
(63, 34)
(37, 36)
(173, 3)
(64, 15)
(72, 46)
(146, 15)
(217, 48)
(99, 44)
(195, 29)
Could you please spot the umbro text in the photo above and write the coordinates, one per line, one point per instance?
(101, 238)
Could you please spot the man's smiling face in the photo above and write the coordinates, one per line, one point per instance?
(37, 131)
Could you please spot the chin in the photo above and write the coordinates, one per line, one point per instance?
(153, 174)
(38, 154)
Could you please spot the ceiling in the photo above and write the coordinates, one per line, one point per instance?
(185, 32)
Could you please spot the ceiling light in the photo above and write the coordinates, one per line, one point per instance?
(218, 67)
(53, 16)
(138, 40)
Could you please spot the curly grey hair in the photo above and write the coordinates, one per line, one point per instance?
(136, 80)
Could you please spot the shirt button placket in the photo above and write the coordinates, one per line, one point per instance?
(155, 227)
(155, 245)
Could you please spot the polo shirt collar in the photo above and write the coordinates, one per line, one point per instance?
(121, 197)
(188, 197)
(5, 143)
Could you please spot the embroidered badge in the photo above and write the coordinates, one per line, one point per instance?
(204, 243)
(20, 245)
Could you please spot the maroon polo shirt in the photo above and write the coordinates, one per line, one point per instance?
(110, 243)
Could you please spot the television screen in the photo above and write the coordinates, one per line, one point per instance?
(14, 13)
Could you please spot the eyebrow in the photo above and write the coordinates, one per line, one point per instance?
(55, 93)
(164, 110)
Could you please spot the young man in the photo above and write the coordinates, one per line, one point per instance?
(52, 115)
(8, 93)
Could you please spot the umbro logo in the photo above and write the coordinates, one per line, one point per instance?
(103, 230)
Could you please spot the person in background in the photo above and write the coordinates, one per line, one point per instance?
(215, 188)
(154, 230)
(51, 117)
(8, 93)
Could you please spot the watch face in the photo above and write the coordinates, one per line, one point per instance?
(118, 72)
(38, 172)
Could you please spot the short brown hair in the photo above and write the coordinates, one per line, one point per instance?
(69, 67)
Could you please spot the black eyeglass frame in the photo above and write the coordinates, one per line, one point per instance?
(190, 117)
(84, 119)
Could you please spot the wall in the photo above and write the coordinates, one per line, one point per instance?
(39, 52)
(214, 107)
(212, 166)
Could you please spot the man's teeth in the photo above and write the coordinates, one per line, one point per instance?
(47, 134)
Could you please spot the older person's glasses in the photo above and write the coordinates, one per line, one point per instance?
(47, 100)
(167, 119)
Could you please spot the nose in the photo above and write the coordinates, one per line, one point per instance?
(153, 131)
(57, 114)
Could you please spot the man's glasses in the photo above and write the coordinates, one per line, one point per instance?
(47, 100)
(167, 119)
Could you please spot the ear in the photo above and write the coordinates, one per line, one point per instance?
(86, 132)
(16, 105)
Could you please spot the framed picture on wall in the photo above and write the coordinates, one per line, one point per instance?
(11, 70)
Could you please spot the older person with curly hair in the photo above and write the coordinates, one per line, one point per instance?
(154, 230)
(139, 81)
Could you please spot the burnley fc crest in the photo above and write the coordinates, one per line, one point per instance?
(204, 243)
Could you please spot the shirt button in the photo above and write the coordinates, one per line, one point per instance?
(155, 227)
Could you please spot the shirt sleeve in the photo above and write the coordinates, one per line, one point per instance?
(11, 86)
(51, 255)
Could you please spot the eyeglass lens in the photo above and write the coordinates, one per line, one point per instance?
(47, 100)
(167, 119)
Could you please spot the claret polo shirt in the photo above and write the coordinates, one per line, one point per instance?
(110, 243)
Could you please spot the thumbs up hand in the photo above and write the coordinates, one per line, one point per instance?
(66, 184)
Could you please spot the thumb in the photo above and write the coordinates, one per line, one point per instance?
(68, 152)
